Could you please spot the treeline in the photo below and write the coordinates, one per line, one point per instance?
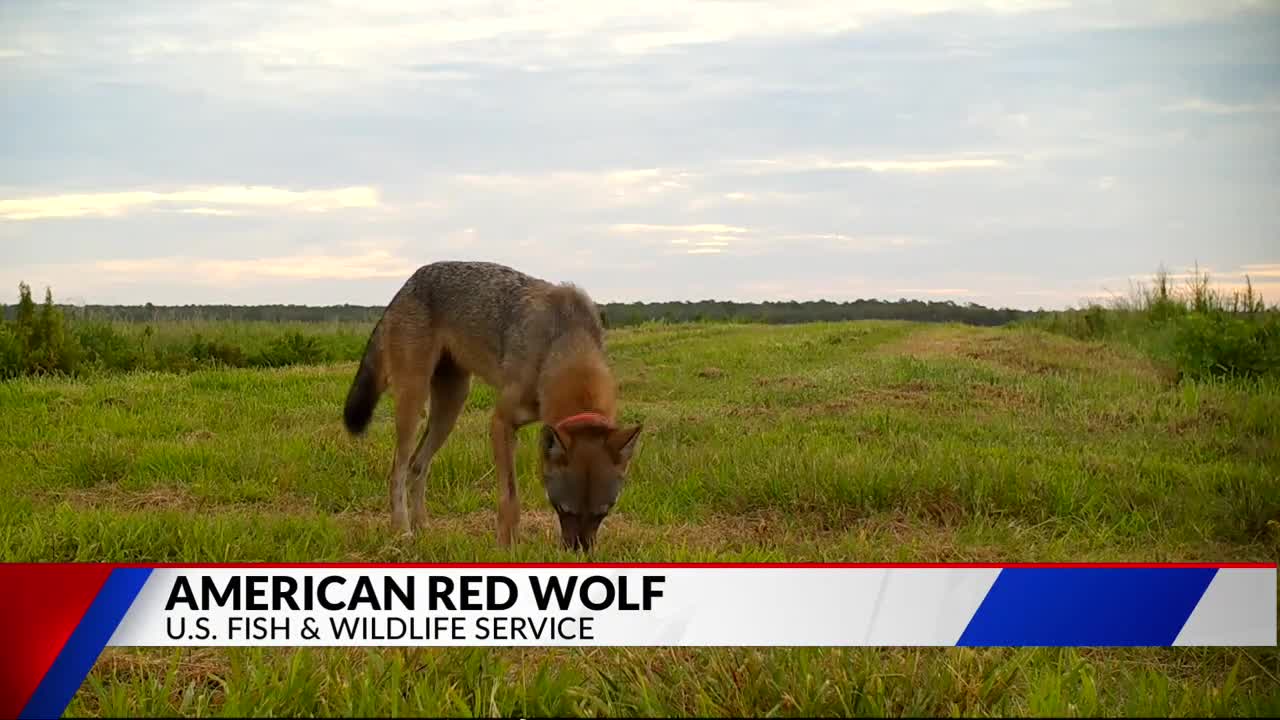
(615, 314)
(791, 312)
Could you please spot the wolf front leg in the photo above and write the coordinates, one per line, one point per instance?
(502, 432)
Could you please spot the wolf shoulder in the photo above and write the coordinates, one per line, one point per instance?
(497, 286)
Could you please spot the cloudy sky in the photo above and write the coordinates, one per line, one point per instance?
(1008, 153)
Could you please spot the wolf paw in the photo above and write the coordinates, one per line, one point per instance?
(419, 520)
(508, 521)
(400, 523)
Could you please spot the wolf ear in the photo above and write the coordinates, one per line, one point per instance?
(622, 443)
(552, 444)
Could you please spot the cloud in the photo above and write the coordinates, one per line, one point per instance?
(955, 136)
(287, 52)
(934, 291)
(915, 165)
(366, 34)
(703, 228)
(1266, 270)
(1267, 288)
(1211, 107)
(458, 239)
(755, 200)
(308, 276)
(584, 189)
(211, 271)
(110, 204)
(1264, 278)
(708, 238)
(856, 242)
(216, 212)
(695, 239)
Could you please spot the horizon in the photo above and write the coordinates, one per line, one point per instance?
(890, 301)
(1015, 155)
(1137, 289)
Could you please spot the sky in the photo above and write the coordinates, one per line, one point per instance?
(1012, 154)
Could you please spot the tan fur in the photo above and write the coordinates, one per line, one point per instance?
(539, 345)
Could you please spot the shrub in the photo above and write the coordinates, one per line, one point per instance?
(216, 353)
(41, 340)
(105, 348)
(1219, 344)
(1095, 321)
(1162, 303)
(292, 348)
(1203, 332)
(45, 344)
(12, 363)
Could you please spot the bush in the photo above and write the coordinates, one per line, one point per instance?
(293, 348)
(43, 342)
(217, 353)
(1203, 332)
(40, 340)
(12, 363)
(107, 349)
(1218, 344)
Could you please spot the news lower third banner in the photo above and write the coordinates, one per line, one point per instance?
(55, 620)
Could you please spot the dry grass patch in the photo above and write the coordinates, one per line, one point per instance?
(1024, 351)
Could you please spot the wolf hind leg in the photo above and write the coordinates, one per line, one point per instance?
(450, 385)
(410, 397)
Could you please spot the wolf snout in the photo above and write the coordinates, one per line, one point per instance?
(576, 533)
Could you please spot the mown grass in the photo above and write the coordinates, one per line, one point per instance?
(869, 441)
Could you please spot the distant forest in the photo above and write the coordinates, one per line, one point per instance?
(615, 314)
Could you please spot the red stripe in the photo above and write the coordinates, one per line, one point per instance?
(659, 566)
(40, 606)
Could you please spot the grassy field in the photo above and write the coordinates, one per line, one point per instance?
(869, 441)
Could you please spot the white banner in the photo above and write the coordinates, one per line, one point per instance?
(700, 606)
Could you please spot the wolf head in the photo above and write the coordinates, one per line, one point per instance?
(583, 468)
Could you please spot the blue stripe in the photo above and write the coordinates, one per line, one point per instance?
(1100, 607)
(86, 643)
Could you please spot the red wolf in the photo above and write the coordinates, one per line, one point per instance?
(540, 346)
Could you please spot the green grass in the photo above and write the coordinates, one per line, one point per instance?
(869, 441)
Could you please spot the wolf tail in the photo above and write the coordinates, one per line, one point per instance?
(367, 387)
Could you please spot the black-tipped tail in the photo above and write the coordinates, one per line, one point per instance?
(365, 390)
(361, 401)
